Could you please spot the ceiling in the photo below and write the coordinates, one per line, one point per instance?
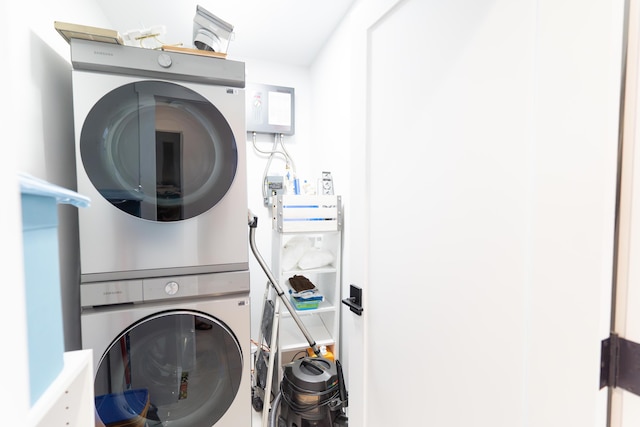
(284, 31)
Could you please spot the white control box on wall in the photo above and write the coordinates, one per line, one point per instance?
(270, 109)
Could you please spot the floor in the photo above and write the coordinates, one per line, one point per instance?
(256, 419)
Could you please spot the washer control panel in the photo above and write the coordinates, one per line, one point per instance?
(163, 288)
(196, 285)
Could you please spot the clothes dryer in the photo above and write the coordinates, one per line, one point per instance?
(170, 351)
(160, 152)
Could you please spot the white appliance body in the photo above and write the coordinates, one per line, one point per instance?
(160, 152)
(184, 345)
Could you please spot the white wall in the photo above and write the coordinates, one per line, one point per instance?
(41, 113)
(331, 80)
(298, 146)
(14, 400)
(40, 142)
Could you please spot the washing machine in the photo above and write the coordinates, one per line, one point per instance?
(160, 152)
(170, 351)
(164, 244)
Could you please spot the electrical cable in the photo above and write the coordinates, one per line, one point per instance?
(289, 163)
(324, 398)
(295, 356)
(265, 196)
(263, 346)
(273, 151)
(293, 165)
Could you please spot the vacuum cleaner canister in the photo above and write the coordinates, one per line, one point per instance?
(310, 391)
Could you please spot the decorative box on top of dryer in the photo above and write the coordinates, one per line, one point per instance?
(306, 213)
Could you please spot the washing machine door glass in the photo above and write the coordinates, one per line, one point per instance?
(176, 368)
(158, 151)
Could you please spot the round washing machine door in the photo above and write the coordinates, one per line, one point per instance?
(176, 368)
(158, 151)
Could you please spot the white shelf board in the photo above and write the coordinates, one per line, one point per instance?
(292, 338)
(324, 307)
(300, 272)
(69, 399)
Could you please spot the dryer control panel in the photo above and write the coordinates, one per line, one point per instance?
(106, 57)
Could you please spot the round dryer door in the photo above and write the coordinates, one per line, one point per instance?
(158, 151)
(176, 368)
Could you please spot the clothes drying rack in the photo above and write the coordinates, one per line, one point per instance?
(266, 354)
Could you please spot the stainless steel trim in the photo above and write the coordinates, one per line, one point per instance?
(105, 57)
(161, 272)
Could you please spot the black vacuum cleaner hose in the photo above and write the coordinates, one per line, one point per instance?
(274, 410)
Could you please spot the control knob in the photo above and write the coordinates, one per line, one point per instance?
(171, 288)
(164, 60)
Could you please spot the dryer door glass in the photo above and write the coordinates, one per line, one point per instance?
(158, 151)
(175, 368)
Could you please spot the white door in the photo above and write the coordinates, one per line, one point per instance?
(625, 406)
(483, 194)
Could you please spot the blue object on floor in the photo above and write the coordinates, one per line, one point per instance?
(125, 406)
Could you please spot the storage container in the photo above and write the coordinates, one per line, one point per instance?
(45, 337)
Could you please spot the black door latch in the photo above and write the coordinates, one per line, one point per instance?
(355, 300)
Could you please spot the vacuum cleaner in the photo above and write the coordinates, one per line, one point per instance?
(312, 391)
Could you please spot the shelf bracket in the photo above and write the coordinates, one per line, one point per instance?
(355, 300)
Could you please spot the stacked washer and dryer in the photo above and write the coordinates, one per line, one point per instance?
(164, 245)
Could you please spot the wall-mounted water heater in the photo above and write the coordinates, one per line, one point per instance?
(270, 109)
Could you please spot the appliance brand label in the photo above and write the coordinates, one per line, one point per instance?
(99, 52)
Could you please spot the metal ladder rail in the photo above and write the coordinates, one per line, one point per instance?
(273, 351)
(271, 348)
